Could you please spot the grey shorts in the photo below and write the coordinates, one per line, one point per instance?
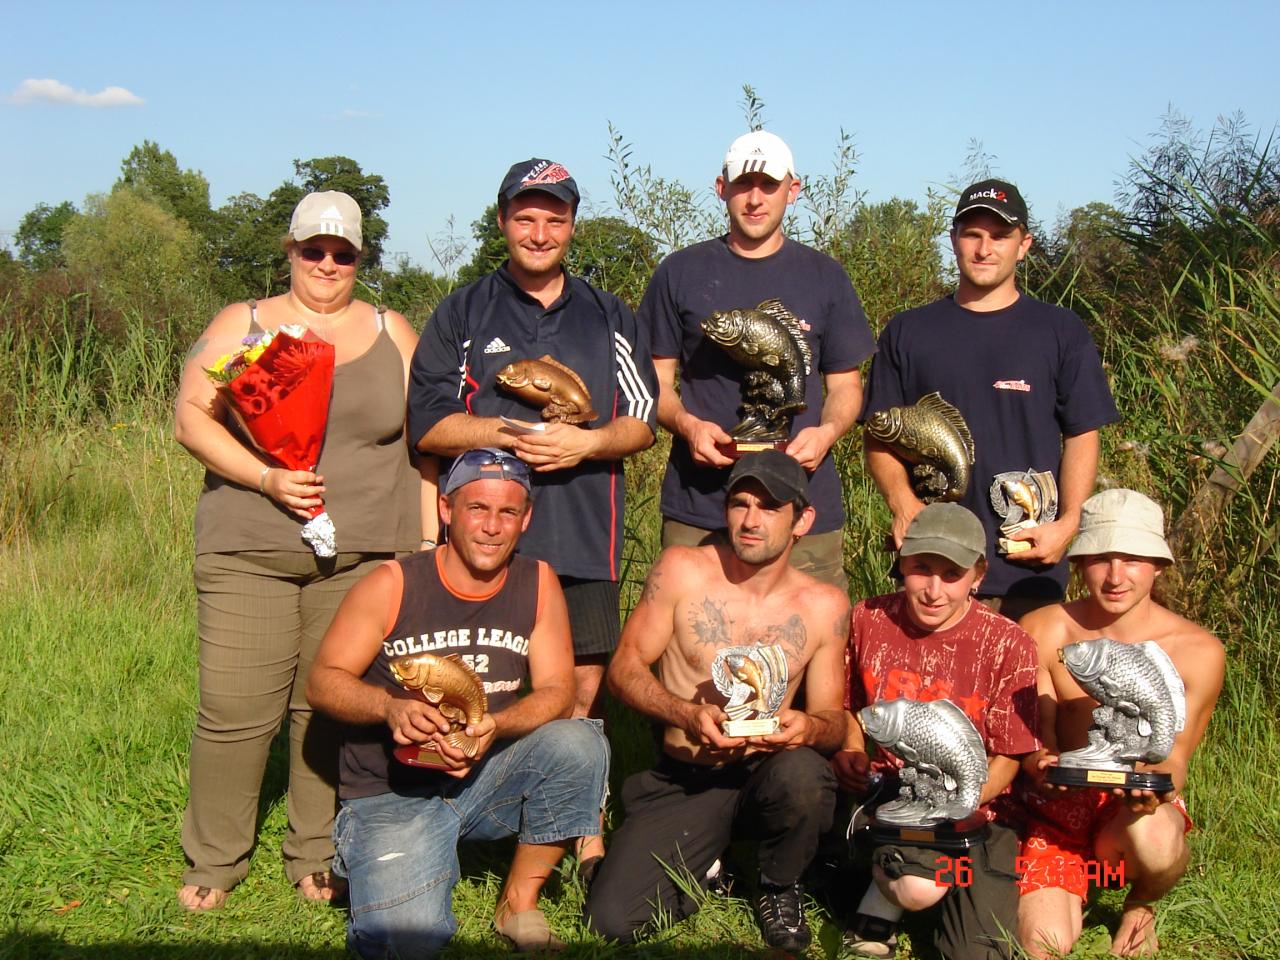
(593, 615)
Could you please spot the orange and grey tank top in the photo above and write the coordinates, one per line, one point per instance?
(372, 489)
(490, 633)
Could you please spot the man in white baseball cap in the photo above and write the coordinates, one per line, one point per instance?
(1119, 553)
(752, 263)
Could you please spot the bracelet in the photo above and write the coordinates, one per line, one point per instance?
(262, 480)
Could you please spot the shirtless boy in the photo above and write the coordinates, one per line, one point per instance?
(1119, 552)
(708, 788)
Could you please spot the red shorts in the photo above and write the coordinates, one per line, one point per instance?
(1060, 835)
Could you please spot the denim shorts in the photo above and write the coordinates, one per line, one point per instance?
(399, 851)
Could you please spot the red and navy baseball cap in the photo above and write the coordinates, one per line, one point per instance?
(995, 195)
(534, 174)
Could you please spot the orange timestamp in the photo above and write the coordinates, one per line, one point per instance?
(958, 871)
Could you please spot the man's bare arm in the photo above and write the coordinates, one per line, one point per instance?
(822, 724)
(890, 476)
(1075, 484)
(701, 435)
(839, 412)
(459, 432)
(1000, 773)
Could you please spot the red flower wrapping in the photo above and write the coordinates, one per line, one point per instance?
(282, 398)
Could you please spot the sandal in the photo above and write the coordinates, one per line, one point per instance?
(201, 898)
(528, 932)
(322, 887)
(871, 937)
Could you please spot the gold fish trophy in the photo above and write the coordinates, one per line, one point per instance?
(1023, 499)
(548, 384)
(770, 344)
(753, 680)
(454, 689)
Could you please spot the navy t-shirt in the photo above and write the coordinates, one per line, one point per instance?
(707, 277)
(1023, 378)
(577, 523)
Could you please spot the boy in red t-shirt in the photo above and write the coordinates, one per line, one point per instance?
(932, 641)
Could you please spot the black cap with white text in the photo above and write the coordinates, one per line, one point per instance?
(995, 195)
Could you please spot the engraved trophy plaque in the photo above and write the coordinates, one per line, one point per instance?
(1023, 499)
(753, 680)
(1141, 709)
(767, 341)
(453, 688)
(940, 783)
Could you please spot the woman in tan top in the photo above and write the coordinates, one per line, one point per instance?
(264, 598)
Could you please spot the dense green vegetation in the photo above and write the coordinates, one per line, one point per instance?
(1179, 281)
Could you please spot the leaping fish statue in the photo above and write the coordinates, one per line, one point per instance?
(931, 435)
(453, 688)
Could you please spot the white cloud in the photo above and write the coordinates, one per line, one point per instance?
(55, 91)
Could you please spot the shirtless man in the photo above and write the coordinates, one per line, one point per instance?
(1120, 551)
(708, 787)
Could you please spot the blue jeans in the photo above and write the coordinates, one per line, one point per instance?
(399, 851)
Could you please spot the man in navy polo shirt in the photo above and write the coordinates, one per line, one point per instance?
(527, 308)
(1027, 379)
(753, 262)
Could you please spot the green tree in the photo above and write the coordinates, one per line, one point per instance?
(39, 235)
(184, 193)
(491, 247)
(890, 251)
(614, 256)
(133, 254)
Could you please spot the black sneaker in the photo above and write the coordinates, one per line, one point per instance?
(780, 911)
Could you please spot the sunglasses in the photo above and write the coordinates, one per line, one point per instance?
(343, 258)
(503, 466)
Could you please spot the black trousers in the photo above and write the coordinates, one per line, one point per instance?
(680, 817)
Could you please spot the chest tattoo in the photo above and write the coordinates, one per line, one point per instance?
(709, 621)
(790, 634)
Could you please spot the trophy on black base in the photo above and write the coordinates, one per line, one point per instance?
(1023, 499)
(454, 689)
(769, 343)
(1142, 708)
(754, 682)
(940, 783)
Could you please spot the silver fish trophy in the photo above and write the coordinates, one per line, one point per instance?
(1023, 499)
(944, 768)
(1142, 708)
(769, 343)
(753, 680)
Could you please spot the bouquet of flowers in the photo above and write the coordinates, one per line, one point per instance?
(278, 387)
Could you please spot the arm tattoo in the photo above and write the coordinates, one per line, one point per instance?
(710, 622)
(652, 585)
(791, 635)
(197, 348)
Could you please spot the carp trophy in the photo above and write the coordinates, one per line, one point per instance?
(548, 384)
(1142, 708)
(753, 680)
(1022, 499)
(933, 437)
(940, 783)
(454, 689)
(768, 342)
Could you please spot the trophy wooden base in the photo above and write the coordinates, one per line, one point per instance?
(948, 835)
(1109, 779)
(759, 727)
(419, 755)
(736, 449)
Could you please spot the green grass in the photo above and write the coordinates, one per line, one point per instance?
(98, 696)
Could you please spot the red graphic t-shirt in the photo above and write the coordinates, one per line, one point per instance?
(985, 665)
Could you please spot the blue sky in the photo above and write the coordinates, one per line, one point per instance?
(440, 98)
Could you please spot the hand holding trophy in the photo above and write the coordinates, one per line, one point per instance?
(754, 682)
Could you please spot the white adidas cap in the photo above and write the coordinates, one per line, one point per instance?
(329, 213)
(759, 152)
